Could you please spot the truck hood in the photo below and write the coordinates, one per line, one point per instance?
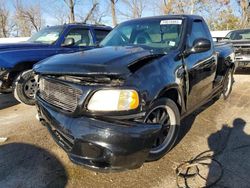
(238, 43)
(21, 46)
(105, 61)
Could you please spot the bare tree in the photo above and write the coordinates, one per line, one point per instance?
(244, 6)
(168, 6)
(226, 20)
(91, 12)
(71, 5)
(210, 10)
(189, 6)
(95, 14)
(28, 18)
(60, 14)
(113, 11)
(4, 20)
(134, 8)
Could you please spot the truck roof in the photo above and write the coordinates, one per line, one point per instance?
(174, 16)
(85, 25)
(247, 29)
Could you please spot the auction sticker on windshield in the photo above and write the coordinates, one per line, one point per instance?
(171, 22)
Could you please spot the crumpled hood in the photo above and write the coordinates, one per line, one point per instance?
(21, 46)
(106, 60)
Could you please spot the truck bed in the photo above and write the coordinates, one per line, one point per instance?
(223, 48)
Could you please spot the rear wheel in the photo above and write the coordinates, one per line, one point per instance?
(25, 87)
(166, 113)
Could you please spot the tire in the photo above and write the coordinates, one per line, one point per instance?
(25, 87)
(228, 84)
(170, 126)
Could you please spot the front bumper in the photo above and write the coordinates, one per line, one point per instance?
(244, 64)
(100, 144)
(243, 61)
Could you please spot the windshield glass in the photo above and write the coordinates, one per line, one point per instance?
(157, 34)
(239, 35)
(47, 35)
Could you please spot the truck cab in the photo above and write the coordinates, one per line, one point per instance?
(18, 59)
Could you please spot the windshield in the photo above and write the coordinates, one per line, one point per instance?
(47, 35)
(239, 35)
(157, 34)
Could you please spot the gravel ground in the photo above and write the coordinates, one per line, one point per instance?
(30, 158)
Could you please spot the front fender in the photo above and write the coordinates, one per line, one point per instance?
(15, 59)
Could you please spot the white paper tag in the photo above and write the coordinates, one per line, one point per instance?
(171, 22)
(171, 43)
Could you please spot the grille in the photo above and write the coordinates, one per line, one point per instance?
(59, 95)
(242, 50)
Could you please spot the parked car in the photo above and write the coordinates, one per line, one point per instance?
(117, 106)
(18, 59)
(241, 41)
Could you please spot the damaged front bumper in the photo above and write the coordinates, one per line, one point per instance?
(99, 144)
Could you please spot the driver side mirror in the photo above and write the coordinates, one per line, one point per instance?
(199, 46)
(68, 42)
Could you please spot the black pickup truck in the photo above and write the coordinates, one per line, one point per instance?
(117, 106)
(17, 60)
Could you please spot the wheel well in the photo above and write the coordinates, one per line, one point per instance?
(232, 66)
(174, 95)
(20, 67)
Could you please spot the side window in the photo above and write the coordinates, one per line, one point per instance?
(82, 37)
(100, 34)
(198, 31)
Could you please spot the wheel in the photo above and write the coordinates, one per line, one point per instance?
(228, 84)
(166, 113)
(25, 87)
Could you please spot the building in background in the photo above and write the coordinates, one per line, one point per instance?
(219, 35)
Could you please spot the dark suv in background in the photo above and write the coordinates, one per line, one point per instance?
(17, 60)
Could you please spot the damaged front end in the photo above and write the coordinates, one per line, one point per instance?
(92, 112)
(91, 138)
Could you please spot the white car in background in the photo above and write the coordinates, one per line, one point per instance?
(219, 35)
(13, 39)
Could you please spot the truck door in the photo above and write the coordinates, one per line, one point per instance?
(201, 67)
(82, 39)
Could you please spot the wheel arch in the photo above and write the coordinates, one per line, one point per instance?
(20, 67)
(173, 93)
(23, 66)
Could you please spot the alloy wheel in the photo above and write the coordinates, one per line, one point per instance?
(164, 116)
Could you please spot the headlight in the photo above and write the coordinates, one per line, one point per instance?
(114, 100)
